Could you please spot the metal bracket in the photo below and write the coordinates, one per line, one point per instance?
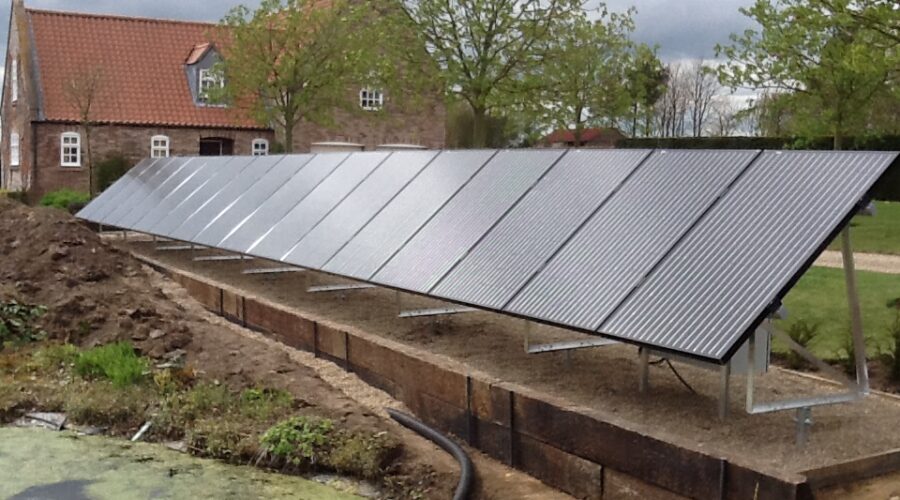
(339, 288)
(273, 270)
(438, 311)
(173, 248)
(221, 258)
(564, 345)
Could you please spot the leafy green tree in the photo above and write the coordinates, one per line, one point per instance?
(297, 60)
(585, 71)
(830, 64)
(645, 84)
(488, 51)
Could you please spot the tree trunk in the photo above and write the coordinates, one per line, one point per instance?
(479, 127)
(838, 143)
(90, 159)
(634, 119)
(288, 136)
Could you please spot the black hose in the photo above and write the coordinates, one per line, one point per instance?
(467, 471)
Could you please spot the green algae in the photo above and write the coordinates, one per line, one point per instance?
(34, 460)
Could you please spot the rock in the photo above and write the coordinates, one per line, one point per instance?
(156, 334)
(58, 253)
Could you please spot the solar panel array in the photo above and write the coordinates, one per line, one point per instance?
(684, 251)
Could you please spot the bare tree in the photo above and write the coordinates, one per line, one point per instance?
(670, 109)
(726, 117)
(82, 91)
(702, 86)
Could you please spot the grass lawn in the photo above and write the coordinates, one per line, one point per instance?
(878, 234)
(820, 297)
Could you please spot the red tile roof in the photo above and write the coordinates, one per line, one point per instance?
(587, 135)
(141, 63)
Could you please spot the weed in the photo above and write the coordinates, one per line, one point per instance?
(362, 454)
(299, 441)
(263, 404)
(894, 332)
(18, 323)
(803, 333)
(105, 404)
(847, 354)
(116, 362)
(55, 357)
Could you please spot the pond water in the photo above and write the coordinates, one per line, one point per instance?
(41, 464)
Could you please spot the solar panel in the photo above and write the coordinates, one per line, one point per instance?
(160, 192)
(386, 233)
(547, 216)
(226, 169)
(111, 191)
(620, 244)
(208, 167)
(133, 203)
(253, 169)
(281, 236)
(335, 230)
(250, 198)
(119, 198)
(465, 219)
(282, 201)
(715, 285)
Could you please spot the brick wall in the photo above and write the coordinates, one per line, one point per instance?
(17, 116)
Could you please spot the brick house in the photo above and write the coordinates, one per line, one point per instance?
(147, 78)
(600, 138)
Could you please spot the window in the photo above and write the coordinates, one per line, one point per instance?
(159, 146)
(14, 80)
(14, 156)
(70, 149)
(260, 147)
(207, 80)
(371, 99)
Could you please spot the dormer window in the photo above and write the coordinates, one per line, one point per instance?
(207, 81)
(371, 99)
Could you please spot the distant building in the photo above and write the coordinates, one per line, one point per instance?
(601, 138)
(151, 76)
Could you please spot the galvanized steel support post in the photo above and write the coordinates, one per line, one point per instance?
(856, 325)
(644, 382)
(725, 375)
(751, 369)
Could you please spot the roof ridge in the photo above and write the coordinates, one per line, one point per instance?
(117, 17)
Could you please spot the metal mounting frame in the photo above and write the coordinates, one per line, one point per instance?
(436, 311)
(339, 288)
(563, 345)
(273, 270)
(221, 258)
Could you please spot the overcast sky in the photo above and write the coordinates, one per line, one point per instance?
(683, 29)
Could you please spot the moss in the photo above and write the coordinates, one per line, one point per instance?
(363, 454)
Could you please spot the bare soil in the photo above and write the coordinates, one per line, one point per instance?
(604, 380)
(97, 293)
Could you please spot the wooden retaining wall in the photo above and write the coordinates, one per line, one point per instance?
(569, 448)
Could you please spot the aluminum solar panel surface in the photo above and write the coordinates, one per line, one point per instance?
(335, 230)
(208, 167)
(227, 168)
(386, 233)
(601, 265)
(110, 192)
(273, 209)
(719, 281)
(250, 198)
(162, 191)
(120, 198)
(133, 203)
(577, 186)
(459, 225)
(284, 234)
(255, 168)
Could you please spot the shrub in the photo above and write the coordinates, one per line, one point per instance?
(894, 335)
(116, 362)
(18, 323)
(13, 195)
(110, 169)
(65, 198)
(300, 442)
(803, 333)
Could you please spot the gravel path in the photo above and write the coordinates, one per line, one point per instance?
(879, 263)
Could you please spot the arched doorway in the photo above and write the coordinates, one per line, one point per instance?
(216, 146)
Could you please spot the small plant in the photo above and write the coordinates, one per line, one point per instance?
(65, 199)
(55, 357)
(847, 358)
(116, 362)
(803, 333)
(299, 441)
(18, 323)
(894, 335)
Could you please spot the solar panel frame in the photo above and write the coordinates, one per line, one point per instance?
(466, 218)
(111, 191)
(243, 236)
(102, 215)
(404, 215)
(330, 234)
(162, 191)
(548, 216)
(772, 208)
(249, 200)
(286, 232)
(145, 189)
(641, 222)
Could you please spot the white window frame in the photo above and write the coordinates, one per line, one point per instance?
(159, 146)
(69, 148)
(371, 99)
(14, 80)
(206, 80)
(259, 147)
(15, 151)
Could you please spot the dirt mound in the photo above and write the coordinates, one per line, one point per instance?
(94, 292)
